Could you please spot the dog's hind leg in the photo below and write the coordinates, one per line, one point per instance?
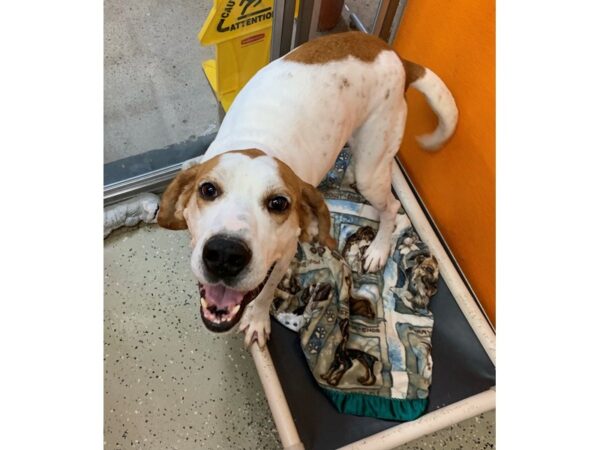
(375, 144)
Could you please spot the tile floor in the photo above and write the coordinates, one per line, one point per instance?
(169, 384)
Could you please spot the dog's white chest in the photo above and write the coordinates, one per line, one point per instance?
(303, 114)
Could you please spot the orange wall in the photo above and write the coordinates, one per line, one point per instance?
(456, 39)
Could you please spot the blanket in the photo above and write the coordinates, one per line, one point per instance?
(366, 336)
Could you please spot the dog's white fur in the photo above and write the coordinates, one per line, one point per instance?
(303, 114)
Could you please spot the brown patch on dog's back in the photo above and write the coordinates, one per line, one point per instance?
(339, 46)
(360, 45)
(413, 72)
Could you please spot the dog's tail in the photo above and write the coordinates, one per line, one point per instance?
(439, 99)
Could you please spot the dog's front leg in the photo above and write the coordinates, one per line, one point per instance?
(256, 321)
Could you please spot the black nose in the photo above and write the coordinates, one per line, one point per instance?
(225, 257)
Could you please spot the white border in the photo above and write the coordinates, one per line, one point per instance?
(51, 328)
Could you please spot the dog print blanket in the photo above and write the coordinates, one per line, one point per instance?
(366, 337)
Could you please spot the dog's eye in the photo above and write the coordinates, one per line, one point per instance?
(208, 191)
(278, 204)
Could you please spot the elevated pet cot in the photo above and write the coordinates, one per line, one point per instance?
(463, 351)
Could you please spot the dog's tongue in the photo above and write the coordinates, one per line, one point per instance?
(222, 296)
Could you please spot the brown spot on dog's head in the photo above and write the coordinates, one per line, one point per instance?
(184, 186)
(250, 152)
(335, 47)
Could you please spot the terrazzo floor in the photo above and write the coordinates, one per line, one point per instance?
(168, 383)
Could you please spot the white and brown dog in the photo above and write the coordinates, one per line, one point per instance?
(252, 195)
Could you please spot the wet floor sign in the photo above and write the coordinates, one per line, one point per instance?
(241, 33)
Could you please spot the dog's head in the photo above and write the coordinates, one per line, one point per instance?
(244, 210)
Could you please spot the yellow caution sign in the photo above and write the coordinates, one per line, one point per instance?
(241, 33)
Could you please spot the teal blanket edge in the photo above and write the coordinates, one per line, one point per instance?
(377, 407)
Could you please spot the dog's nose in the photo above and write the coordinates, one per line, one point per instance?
(225, 256)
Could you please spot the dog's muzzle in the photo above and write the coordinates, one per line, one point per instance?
(222, 307)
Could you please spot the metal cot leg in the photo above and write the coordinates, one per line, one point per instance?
(277, 402)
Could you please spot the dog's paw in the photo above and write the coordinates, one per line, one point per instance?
(191, 163)
(375, 257)
(256, 324)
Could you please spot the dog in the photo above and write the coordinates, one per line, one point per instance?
(250, 198)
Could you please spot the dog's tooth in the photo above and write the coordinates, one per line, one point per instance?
(204, 303)
(235, 310)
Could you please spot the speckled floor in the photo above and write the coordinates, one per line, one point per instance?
(169, 384)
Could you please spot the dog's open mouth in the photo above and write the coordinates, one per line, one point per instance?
(222, 307)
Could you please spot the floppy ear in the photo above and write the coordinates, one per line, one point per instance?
(175, 199)
(313, 207)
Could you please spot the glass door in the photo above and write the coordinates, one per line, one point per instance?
(160, 95)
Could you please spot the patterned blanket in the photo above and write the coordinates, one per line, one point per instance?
(366, 337)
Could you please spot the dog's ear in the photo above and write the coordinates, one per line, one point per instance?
(175, 199)
(313, 207)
